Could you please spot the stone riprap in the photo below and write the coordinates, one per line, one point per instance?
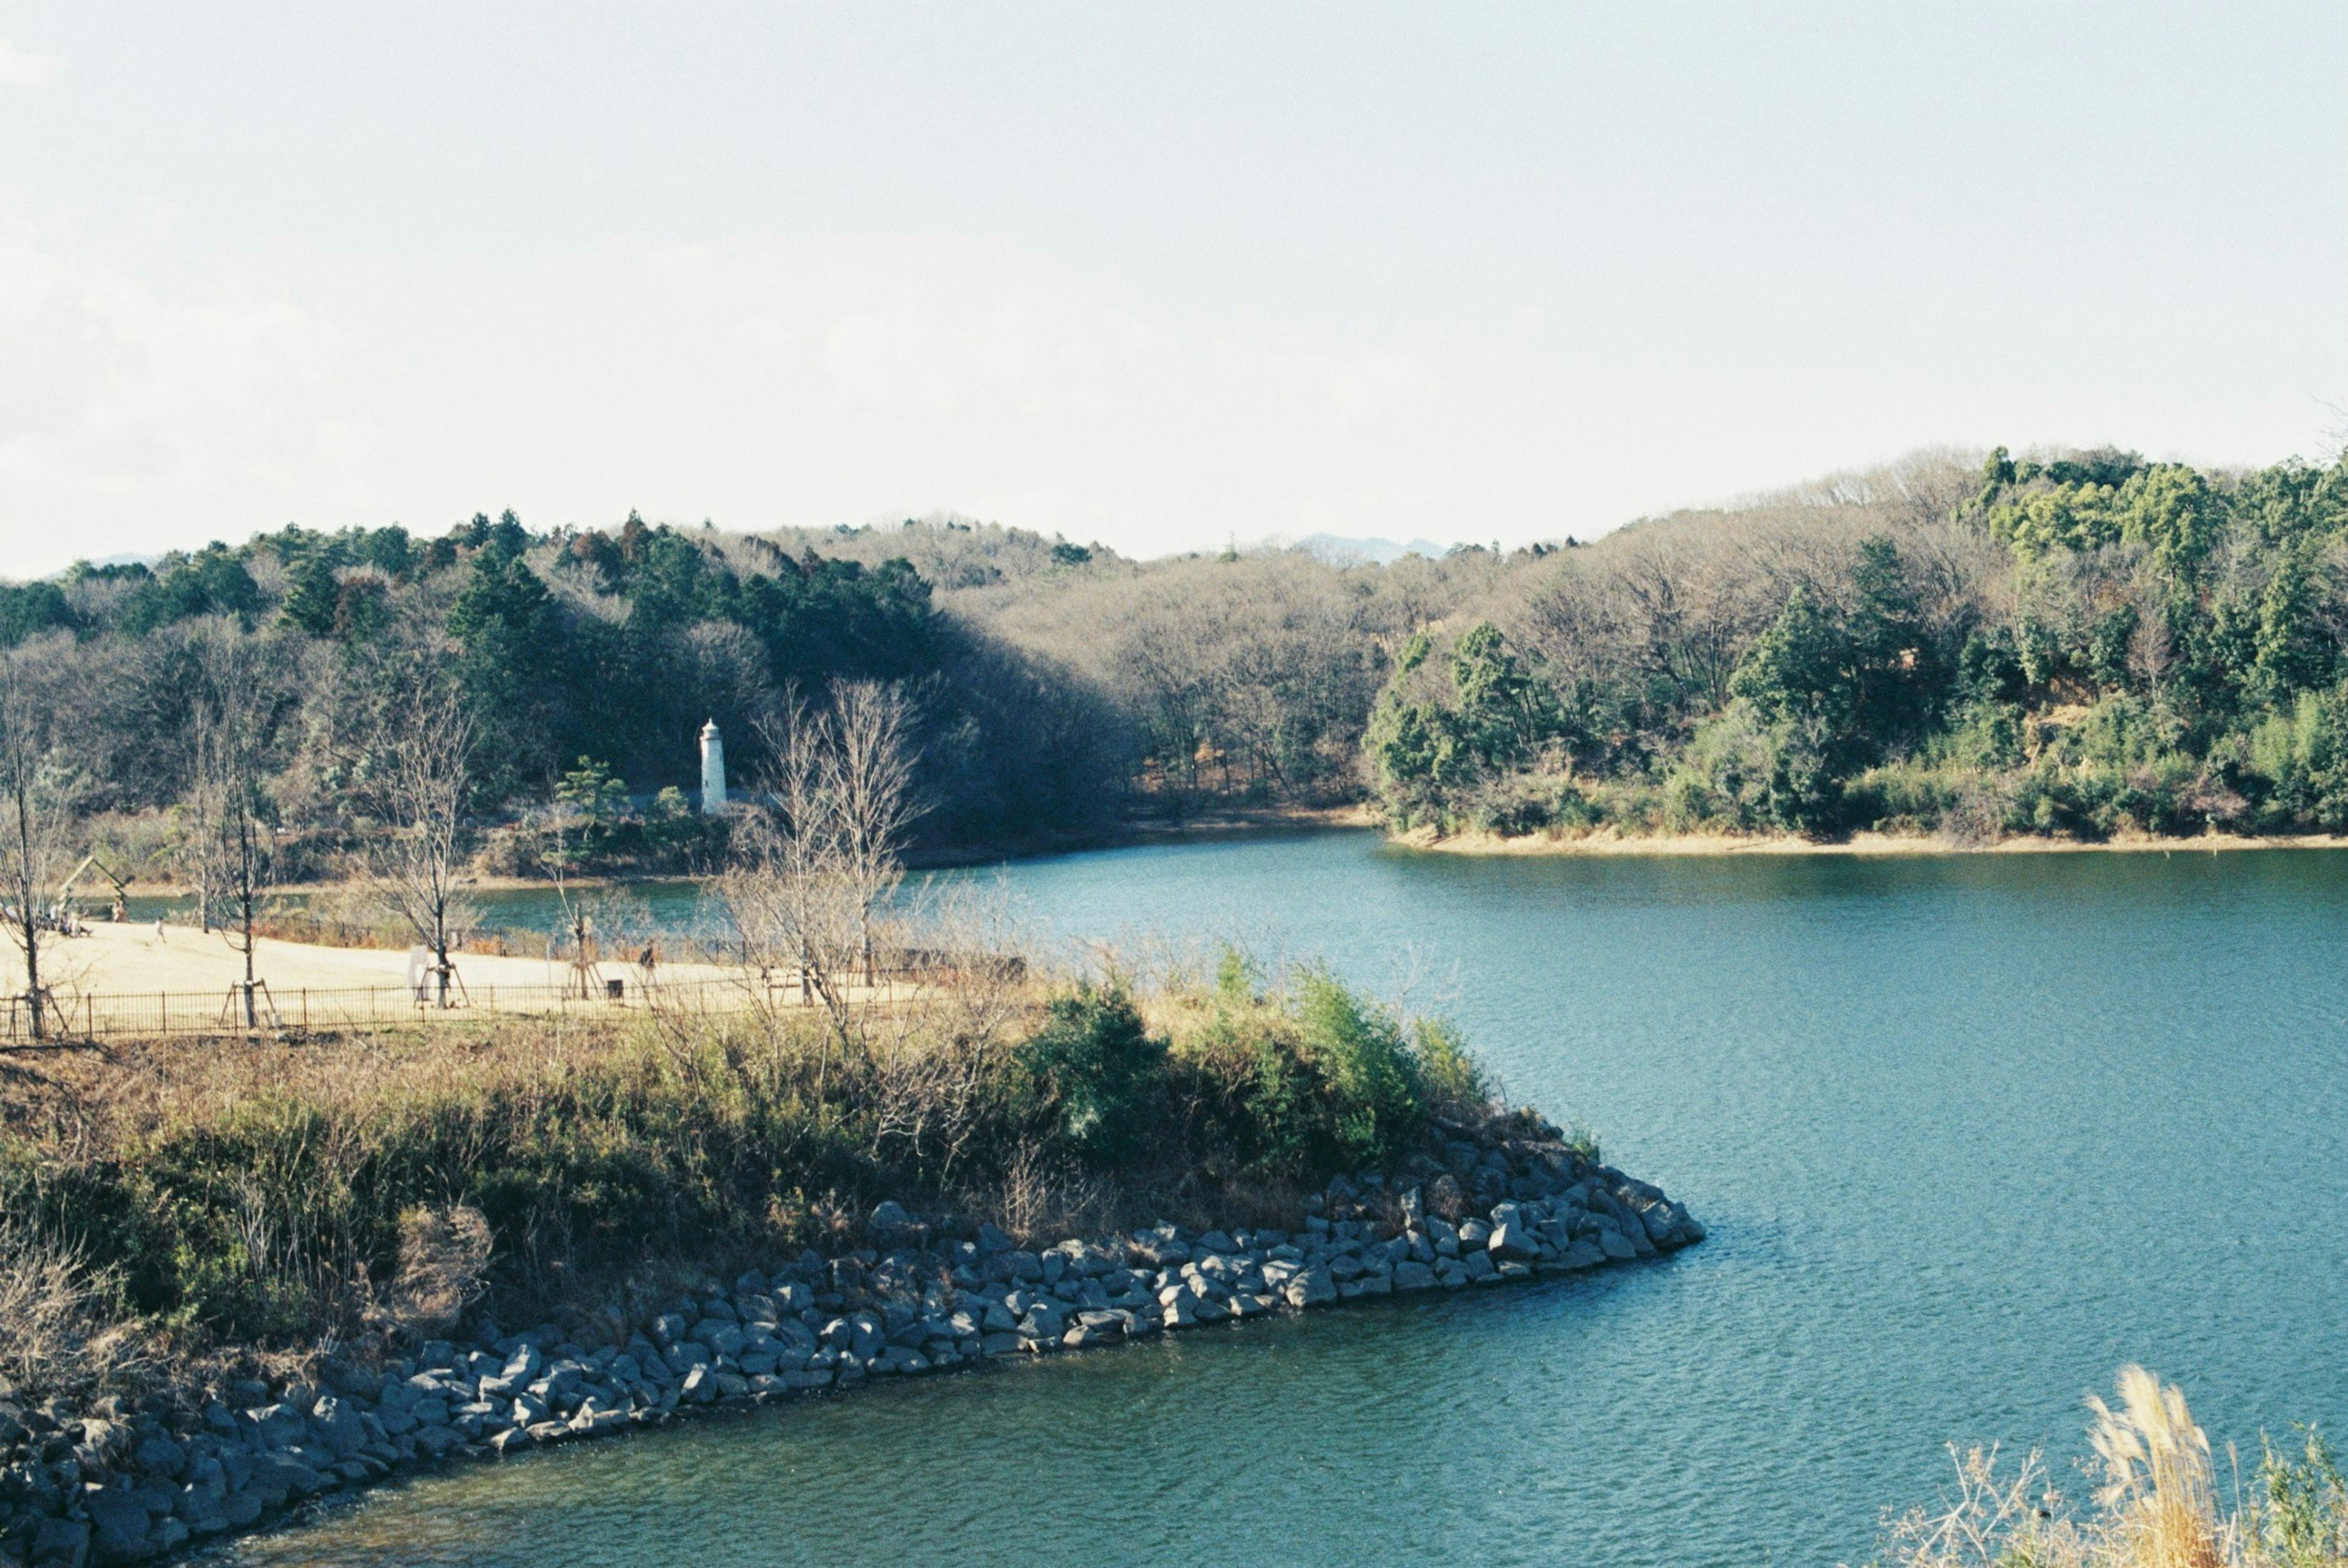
(127, 1480)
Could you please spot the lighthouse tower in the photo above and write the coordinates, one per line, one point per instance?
(713, 769)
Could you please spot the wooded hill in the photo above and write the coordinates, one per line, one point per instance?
(2074, 643)
(2079, 644)
(591, 653)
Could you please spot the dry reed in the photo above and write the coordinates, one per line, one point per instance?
(2155, 1504)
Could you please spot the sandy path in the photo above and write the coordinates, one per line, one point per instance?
(136, 958)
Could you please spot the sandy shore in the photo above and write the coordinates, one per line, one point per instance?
(1860, 843)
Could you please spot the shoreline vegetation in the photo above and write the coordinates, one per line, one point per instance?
(238, 1277)
(1860, 844)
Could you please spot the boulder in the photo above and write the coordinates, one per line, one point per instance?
(1512, 1239)
(60, 1543)
(338, 1426)
(1312, 1288)
(1582, 1254)
(117, 1520)
(158, 1455)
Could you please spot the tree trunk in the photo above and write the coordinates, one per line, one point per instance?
(26, 912)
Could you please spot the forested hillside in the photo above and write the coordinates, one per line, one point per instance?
(2074, 644)
(2079, 645)
(601, 650)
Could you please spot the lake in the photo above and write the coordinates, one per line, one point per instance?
(1968, 1132)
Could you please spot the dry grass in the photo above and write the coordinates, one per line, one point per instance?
(444, 1261)
(2156, 1503)
(56, 1331)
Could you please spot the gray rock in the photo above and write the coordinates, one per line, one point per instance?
(723, 1338)
(338, 1426)
(1512, 1239)
(119, 1522)
(898, 1360)
(241, 1509)
(161, 1456)
(1043, 1321)
(280, 1476)
(1614, 1244)
(1477, 1267)
(1312, 1288)
(60, 1543)
(1413, 1275)
(274, 1425)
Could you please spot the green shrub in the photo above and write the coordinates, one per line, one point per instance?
(1098, 1075)
(1376, 1109)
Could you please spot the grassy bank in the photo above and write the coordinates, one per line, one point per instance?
(261, 1197)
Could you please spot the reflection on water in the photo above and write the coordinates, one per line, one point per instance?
(1968, 1133)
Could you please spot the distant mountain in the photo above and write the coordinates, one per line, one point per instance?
(1339, 551)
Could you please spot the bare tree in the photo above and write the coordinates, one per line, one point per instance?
(788, 886)
(235, 842)
(557, 855)
(423, 760)
(38, 822)
(868, 783)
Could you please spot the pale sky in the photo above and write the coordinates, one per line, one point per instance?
(1155, 275)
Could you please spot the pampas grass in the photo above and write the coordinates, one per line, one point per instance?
(2156, 1503)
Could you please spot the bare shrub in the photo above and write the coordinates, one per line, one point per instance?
(56, 1331)
(1038, 1199)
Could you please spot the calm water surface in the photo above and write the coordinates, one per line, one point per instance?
(1968, 1133)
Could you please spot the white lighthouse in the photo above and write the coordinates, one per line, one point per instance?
(713, 769)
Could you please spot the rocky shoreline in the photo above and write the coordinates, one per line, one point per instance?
(136, 1480)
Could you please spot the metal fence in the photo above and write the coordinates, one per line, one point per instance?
(71, 1016)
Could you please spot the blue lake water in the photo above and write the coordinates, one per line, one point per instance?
(1967, 1131)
